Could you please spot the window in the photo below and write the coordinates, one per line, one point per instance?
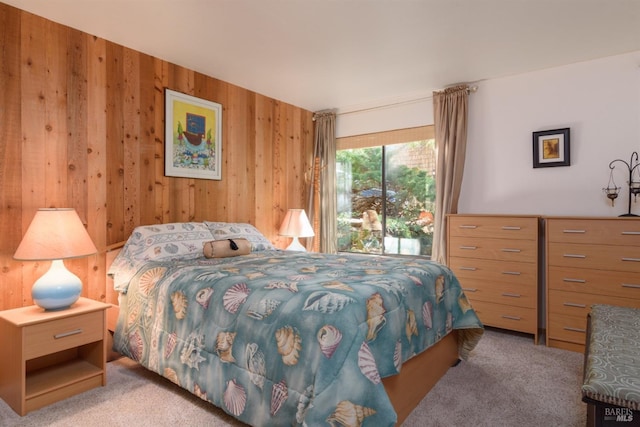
(386, 192)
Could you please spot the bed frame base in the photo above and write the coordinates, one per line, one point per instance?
(420, 374)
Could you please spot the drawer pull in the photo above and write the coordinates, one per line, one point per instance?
(469, 226)
(631, 259)
(507, 294)
(567, 279)
(574, 256)
(566, 328)
(573, 304)
(67, 334)
(574, 231)
(630, 285)
(512, 273)
(468, 268)
(510, 250)
(511, 227)
(630, 233)
(472, 248)
(470, 289)
(504, 316)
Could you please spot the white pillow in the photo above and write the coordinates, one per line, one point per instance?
(180, 240)
(236, 230)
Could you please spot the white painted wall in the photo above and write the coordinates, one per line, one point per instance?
(598, 100)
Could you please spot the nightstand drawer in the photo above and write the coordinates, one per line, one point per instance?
(61, 334)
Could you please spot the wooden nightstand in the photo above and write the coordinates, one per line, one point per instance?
(48, 356)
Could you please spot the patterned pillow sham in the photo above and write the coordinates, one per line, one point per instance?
(180, 240)
(236, 230)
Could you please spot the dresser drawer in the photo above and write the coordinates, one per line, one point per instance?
(61, 334)
(579, 305)
(493, 227)
(602, 257)
(490, 291)
(499, 271)
(568, 328)
(498, 249)
(507, 317)
(620, 284)
(624, 232)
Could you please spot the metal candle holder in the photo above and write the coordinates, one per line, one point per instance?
(634, 186)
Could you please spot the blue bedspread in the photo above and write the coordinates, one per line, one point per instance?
(280, 338)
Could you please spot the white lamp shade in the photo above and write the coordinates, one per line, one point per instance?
(296, 224)
(55, 234)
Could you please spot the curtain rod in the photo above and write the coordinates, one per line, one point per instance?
(470, 89)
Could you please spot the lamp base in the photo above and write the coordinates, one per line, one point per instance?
(57, 289)
(296, 246)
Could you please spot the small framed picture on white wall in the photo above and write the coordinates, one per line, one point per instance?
(551, 148)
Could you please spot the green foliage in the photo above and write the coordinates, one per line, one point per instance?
(410, 192)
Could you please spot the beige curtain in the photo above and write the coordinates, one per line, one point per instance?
(322, 200)
(450, 111)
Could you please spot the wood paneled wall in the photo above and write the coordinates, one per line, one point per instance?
(82, 126)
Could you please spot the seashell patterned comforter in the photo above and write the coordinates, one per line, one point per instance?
(281, 338)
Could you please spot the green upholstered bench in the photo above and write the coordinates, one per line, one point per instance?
(611, 383)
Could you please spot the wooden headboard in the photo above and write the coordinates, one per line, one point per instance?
(111, 295)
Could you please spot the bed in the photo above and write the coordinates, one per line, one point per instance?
(278, 338)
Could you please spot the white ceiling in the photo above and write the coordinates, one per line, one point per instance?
(348, 54)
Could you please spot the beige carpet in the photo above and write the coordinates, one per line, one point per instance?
(507, 382)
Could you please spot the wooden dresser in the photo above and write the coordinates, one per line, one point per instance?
(496, 258)
(589, 261)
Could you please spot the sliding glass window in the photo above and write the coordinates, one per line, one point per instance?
(386, 192)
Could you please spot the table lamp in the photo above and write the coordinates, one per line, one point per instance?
(296, 224)
(55, 234)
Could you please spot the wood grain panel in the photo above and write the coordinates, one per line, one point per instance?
(87, 131)
(10, 156)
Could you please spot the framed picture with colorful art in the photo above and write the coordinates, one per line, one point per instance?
(193, 137)
(551, 148)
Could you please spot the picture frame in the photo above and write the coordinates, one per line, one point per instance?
(551, 148)
(193, 137)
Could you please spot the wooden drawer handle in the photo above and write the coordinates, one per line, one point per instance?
(630, 233)
(504, 316)
(468, 268)
(573, 304)
(631, 259)
(510, 250)
(574, 256)
(574, 231)
(511, 227)
(469, 226)
(67, 334)
(567, 279)
(566, 328)
(472, 248)
(470, 289)
(630, 285)
(512, 273)
(507, 294)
